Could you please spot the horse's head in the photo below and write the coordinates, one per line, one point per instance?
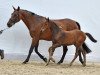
(15, 17)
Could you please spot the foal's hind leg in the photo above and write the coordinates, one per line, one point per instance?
(75, 56)
(80, 57)
(84, 56)
(65, 49)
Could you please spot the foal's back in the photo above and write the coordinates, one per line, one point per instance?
(70, 37)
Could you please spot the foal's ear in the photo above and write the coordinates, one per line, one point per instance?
(18, 8)
(13, 7)
(48, 19)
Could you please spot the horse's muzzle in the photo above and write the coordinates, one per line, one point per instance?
(9, 25)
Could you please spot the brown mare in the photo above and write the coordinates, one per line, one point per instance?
(61, 37)
(2, 54)
(34, 24)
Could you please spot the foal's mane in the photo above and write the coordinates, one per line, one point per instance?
(54, 27)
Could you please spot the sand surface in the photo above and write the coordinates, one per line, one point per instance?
(15, 67)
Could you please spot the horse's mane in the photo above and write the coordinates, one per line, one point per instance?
(32, 13)
(29, 12)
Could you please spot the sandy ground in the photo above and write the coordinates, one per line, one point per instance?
(12, 67)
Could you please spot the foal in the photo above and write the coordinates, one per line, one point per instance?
(61, 37)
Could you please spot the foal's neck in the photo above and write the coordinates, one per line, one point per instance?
(54, 29)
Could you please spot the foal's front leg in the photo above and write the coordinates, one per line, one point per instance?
(51, 51)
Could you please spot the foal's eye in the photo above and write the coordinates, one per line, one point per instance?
(17, 15)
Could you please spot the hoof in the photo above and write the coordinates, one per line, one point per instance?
(45, 60)
(70, 64)
(59, 63)
(47, 64)
(84, 65)
(25, 62)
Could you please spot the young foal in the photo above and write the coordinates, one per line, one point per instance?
(61, 37)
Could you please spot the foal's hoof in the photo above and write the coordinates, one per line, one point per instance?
(84, 65)
(47, 64)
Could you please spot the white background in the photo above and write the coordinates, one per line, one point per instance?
(17, 38)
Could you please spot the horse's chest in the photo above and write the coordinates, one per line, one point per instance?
(46, 35)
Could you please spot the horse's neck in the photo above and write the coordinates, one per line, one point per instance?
(31, 20)
(54, 29)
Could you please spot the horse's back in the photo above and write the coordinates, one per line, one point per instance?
(66, 24)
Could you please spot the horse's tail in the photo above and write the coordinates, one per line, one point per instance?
(91, 37)
(86, 48)
(79, 27)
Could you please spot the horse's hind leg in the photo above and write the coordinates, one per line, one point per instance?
(75, 56)
(42, 57)
(65, 49)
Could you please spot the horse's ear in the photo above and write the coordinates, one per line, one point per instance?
(13, 7)
(18, 8)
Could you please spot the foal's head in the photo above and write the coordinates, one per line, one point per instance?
(15, 17)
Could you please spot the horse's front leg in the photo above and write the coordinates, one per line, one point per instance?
(34, 43)
(29, 54)
(41, 56)
(65, 49)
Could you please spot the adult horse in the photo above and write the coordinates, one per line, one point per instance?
(34, 25)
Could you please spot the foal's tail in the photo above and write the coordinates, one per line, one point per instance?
(91, 37)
